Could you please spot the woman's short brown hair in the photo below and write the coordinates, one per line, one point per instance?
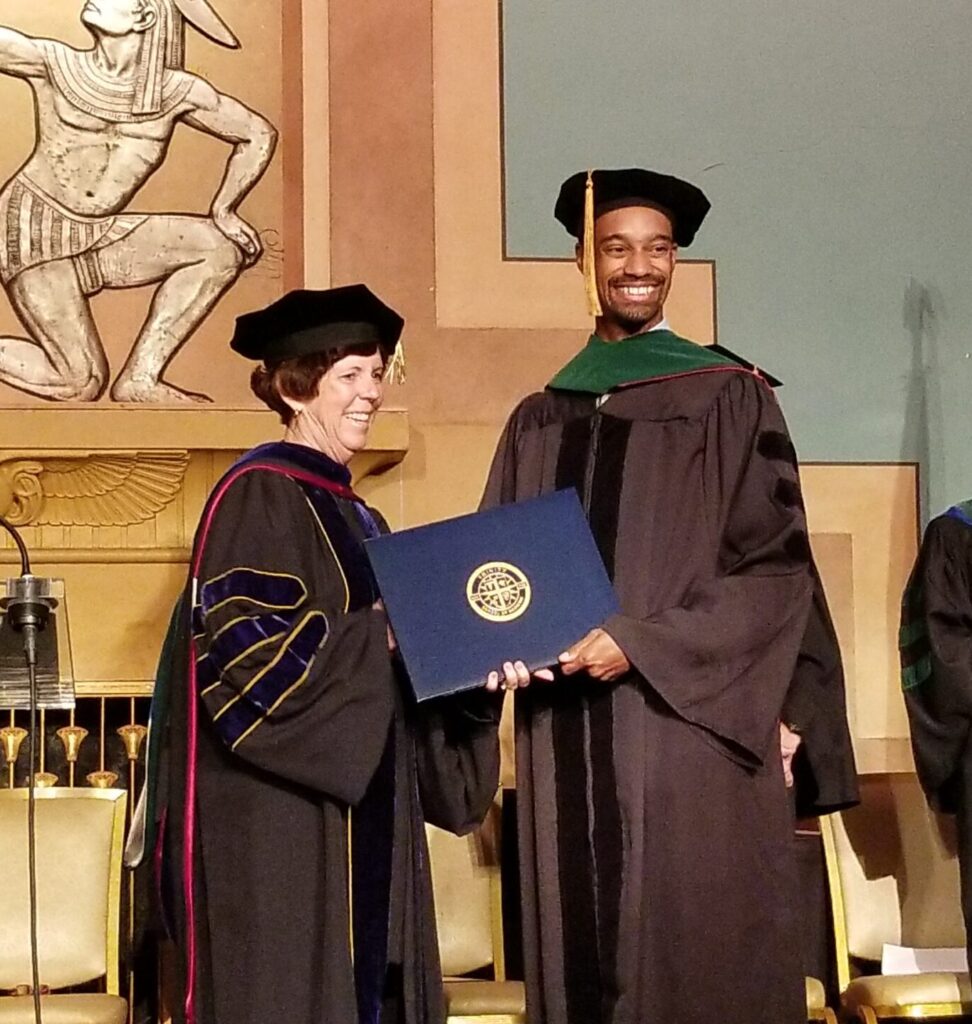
(299, 377)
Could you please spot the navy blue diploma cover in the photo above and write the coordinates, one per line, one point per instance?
(522, 581)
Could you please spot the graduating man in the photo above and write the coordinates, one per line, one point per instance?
(936, 674)
(655, 834)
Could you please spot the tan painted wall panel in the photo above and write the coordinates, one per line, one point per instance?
(865, 517)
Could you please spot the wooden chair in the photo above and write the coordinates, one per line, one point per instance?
(817, 1008)
(468, 910)
(893, 877)
(80, 833)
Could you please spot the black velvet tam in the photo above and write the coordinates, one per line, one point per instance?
(305, 321)
(681, 201)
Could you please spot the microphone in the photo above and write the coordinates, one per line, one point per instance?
(29, 601)
(28, 606)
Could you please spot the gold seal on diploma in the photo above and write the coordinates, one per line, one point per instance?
(498, 591)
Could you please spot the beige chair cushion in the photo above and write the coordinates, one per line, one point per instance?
(484, 998)
(463, 912)
(67, 1009)
(816, 996)
(899, 990)
(898, 869)
(73, 856)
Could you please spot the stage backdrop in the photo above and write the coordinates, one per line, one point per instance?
(419, 149)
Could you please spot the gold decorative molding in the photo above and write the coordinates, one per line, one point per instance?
(114, 689)
(93, 489)
(21, 492)
(105, 427)
(101, 556)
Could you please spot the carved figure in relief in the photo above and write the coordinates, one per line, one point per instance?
(104, 119)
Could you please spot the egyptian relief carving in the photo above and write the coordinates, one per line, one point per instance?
(104, 118)
(93, 489)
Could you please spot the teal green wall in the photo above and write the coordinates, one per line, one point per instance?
(835, 142)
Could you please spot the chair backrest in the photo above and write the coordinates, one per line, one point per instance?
(892, 866)
(79, 833)
(466, 883)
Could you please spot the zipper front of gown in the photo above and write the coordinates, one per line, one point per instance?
(591, 461)
(603, 480)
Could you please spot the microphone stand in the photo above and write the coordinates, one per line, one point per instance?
(27, 614)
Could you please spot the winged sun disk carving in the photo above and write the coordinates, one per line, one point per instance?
(106, 489)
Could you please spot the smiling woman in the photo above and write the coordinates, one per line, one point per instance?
(294, 750)
(323, 358)
(327, 400)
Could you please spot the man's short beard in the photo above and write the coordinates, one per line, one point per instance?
(628, 322)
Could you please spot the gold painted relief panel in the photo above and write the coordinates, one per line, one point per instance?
(108, 206)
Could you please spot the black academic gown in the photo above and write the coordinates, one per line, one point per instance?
(655, 831)
(824, 770)
(287, 733)
(936, 662)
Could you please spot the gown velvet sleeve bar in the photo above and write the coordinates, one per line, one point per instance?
(294, 681)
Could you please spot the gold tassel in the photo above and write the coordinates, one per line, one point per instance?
(590, 282)
(395, 372)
